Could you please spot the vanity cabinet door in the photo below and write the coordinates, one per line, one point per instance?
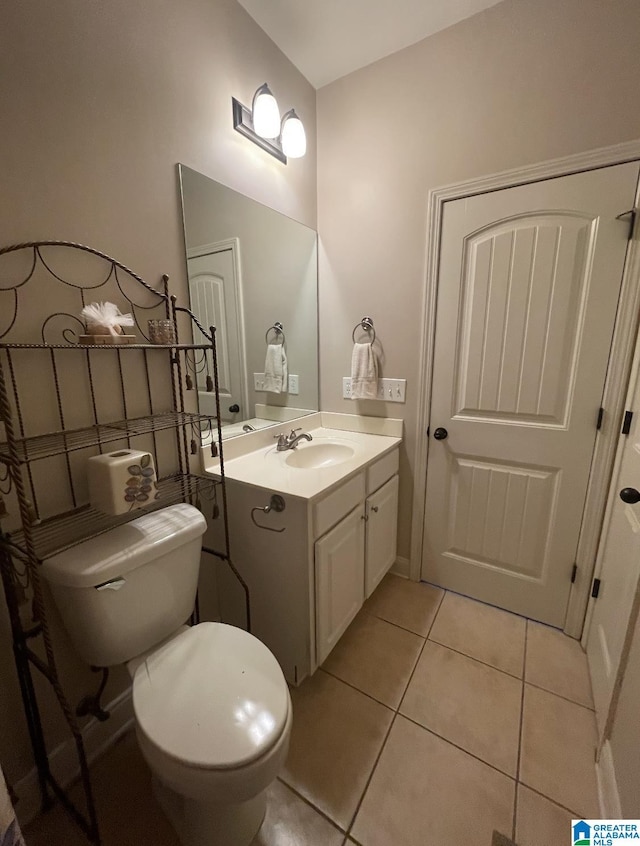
(339, 560)
(382, 533)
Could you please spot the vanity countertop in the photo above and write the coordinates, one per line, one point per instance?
(347, 451)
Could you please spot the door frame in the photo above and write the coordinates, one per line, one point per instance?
(620, 358)
(232, 244)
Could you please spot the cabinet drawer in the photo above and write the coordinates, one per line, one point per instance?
(332, 508)
(382, 470)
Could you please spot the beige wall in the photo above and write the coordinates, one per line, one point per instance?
(517, 84)
(625, 734)
(99, 101)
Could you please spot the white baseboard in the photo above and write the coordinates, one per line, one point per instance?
(608, 795)
(97, 736)
(401, 567)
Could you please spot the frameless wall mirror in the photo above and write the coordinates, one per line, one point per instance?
(251, 268)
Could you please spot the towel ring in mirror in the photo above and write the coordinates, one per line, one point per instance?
(367, 325)
(277, 328)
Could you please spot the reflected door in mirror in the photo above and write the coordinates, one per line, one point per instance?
(215, 303)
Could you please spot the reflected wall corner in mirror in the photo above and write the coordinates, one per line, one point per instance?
(250, 268)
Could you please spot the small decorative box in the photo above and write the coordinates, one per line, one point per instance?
(122, 481)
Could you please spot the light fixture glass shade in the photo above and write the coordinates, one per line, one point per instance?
(266, 114)
(294, 139)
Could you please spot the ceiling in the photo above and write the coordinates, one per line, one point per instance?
(327, 39)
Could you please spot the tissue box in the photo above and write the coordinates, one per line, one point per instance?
(122, 481)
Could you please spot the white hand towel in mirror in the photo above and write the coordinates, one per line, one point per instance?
(275, 369)
(364, 372)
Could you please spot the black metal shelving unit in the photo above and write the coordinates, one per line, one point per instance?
(45, 511)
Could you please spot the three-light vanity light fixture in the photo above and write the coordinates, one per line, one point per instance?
(283, 138)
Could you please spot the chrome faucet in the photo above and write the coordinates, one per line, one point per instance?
(248, 428)
(291, 441)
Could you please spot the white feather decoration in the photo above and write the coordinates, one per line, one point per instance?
(105, 319)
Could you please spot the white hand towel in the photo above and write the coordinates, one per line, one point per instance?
(364, 372)
(275, 369)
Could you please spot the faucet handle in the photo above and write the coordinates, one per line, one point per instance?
(293, 432)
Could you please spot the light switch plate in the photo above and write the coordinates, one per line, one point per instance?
(389, 390)
(258, 381)
(392, 390)
(293, 384)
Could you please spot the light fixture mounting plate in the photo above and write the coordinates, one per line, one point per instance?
(243, 123)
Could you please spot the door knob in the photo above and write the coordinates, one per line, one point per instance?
(235, 408)
(630, 495)
(440, 434)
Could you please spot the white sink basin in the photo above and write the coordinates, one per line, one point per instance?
(316, 455)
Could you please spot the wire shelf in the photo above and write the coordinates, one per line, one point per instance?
(120, 347)
(72, 528)
(60, 443)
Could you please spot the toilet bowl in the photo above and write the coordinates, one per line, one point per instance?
(213, 720)
(212, 708)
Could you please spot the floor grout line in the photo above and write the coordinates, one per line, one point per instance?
(435, 616)
(373, 769)
(357, 689)
(395, 716)
(575, 815)
(520, 732)
(456, 746)
(560, 696)
(473, 658)
(403, 628)
(487, 604)
(308, 802)
(415, 666)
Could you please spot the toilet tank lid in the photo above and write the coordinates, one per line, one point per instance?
(120, 550)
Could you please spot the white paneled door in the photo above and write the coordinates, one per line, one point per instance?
(528, 289)
(619, 558)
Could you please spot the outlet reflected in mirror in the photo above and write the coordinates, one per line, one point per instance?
(250, 267)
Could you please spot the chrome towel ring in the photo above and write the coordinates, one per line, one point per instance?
(277, 328)
(367, 325)
(276, 503)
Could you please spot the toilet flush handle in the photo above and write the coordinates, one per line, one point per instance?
(112, 584)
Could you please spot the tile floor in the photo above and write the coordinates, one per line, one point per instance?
(435, 721)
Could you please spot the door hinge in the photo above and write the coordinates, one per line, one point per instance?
(632, 214)
(595, 589)
(574, 573)
(600, 418)
(626, 423)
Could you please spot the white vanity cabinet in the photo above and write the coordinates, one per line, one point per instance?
(339, 571)
(310, 567)
(381, 511)
(351, 559)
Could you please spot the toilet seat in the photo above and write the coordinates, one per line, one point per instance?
(212, 698)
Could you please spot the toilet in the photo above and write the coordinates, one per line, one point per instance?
(212, 708)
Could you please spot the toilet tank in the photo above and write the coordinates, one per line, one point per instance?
(124, 591)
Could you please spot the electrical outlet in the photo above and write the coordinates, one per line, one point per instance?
(346, 387)
(293, 385)
(258, 381)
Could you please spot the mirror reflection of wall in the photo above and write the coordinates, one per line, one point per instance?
(249, 268)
